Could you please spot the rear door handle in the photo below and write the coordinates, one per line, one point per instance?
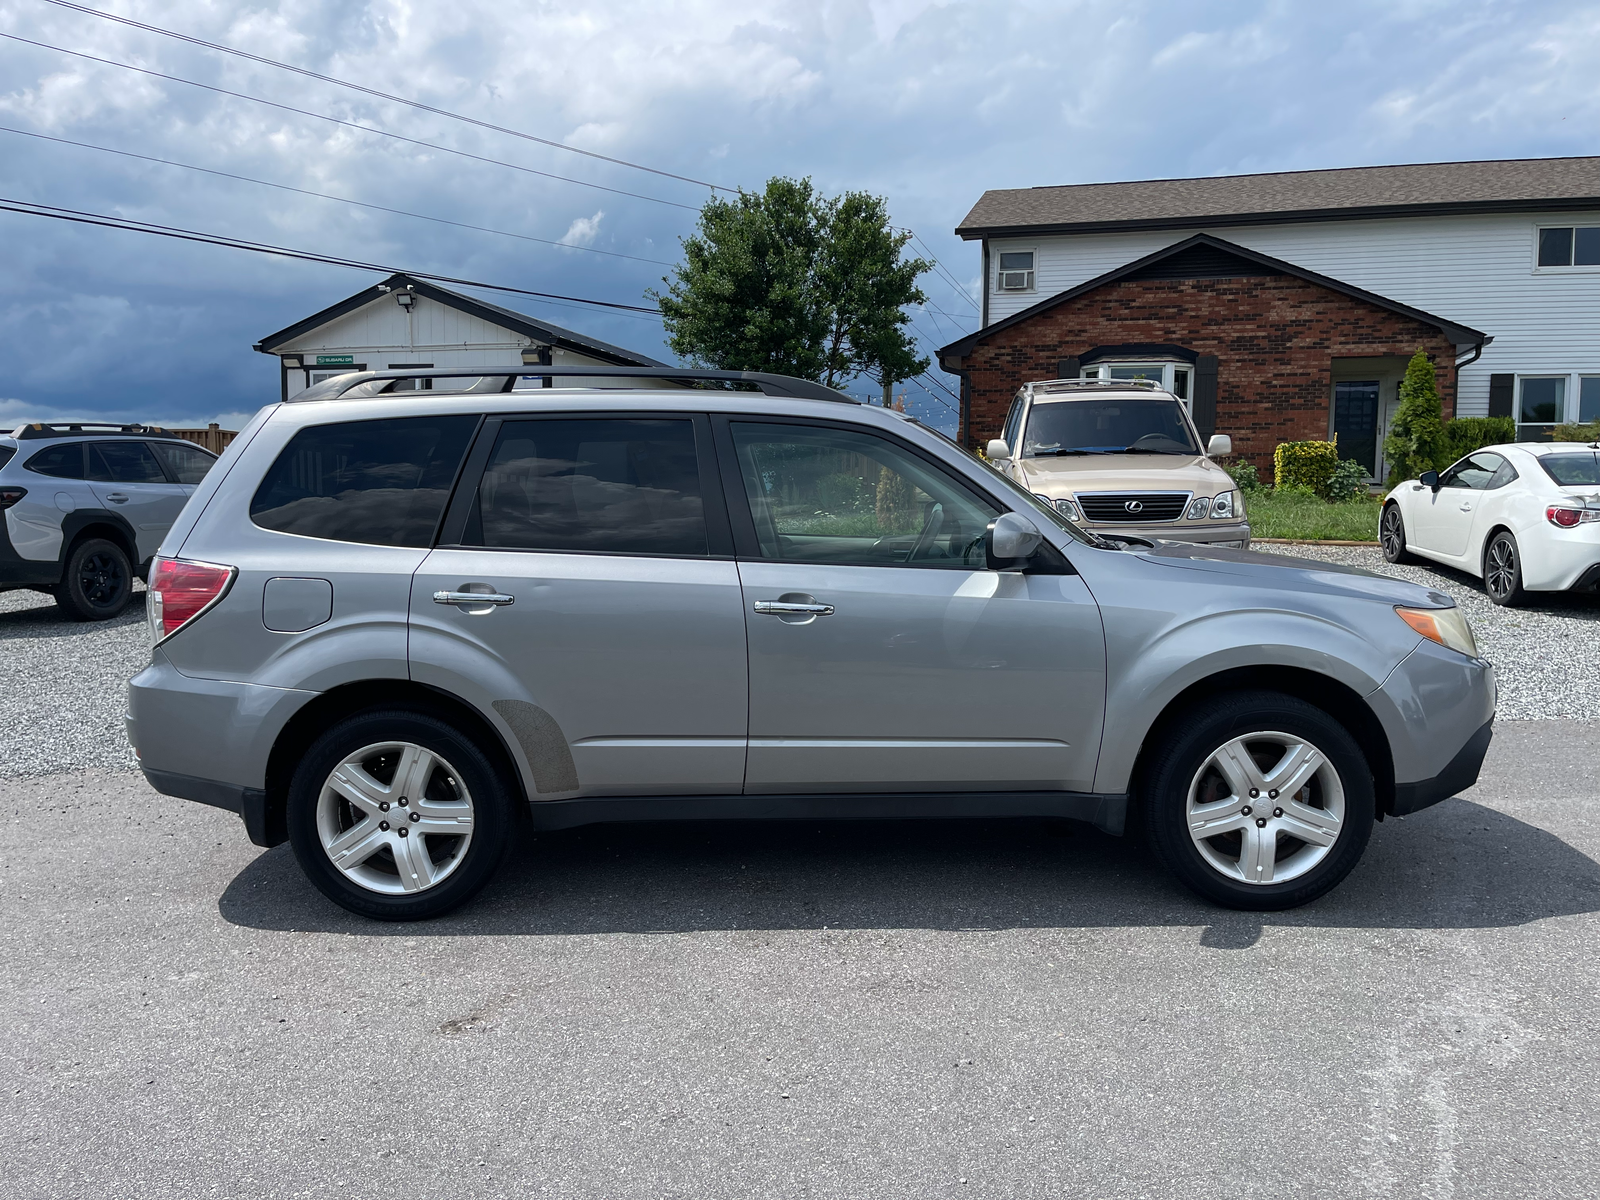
(116, 497)
(474, 598)
(778, 608)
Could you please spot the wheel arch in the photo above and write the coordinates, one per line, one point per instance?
(1337, 699)
(87, 523)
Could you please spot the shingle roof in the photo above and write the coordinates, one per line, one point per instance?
(1521, 185)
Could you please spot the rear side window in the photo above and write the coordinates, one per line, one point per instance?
(384, 483)
(5, 454)
(124, 462)
(610, 485)
(63, 462)
(188, 464)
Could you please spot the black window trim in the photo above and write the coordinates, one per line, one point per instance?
(458, 511)
(748, 546)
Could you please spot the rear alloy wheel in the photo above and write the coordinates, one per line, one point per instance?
(1262, 801)
(399, 816)
(1502, 570)
(1392, 535)
(97, 582)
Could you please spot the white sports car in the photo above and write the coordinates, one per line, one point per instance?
(1524, 518)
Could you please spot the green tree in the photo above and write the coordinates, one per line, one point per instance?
(788, 280)
(1416, 436)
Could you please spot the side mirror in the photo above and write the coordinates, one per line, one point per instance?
(1220, 446)
(1429, 479)
(1010, 540)
(997, 448)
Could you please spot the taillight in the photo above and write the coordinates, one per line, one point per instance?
(181, 589)
(10, 495)
(1566, 518)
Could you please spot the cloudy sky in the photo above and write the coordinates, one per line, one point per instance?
(925, 103)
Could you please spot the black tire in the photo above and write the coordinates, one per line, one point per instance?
(96, 582)
(1392, 535)
(1502, 570)
(1185, 760)
(492, 807)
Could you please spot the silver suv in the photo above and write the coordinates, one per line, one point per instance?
(394, 625)
(86, 505)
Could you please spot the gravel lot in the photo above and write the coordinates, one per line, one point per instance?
(1546, 654)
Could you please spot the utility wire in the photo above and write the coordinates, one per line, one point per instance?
(325, 196)
(110, 62)
(417, 104)
(78, 216)
(939, 266)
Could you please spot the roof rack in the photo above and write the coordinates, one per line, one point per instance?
(51, 429)
(1052, 386)
(504, 379)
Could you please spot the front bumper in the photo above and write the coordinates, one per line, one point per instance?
(1437, 708)
(1236, 536)
(1458, 775)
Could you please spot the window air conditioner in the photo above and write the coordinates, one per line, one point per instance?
(1016, 281)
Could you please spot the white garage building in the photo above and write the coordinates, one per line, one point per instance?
(405, 322)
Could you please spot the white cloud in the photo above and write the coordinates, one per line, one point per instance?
(583, 230)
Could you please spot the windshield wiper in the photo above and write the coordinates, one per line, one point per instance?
(1054, 453)
(1148, 450)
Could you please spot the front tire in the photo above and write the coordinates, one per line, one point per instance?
(399, 816)
(1502, 570)
(1259, 801)
(97, 582)
(1392, 535)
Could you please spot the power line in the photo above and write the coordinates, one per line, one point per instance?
(80, 217)
(111, 62)
(325, 196)
(417, 104)
(939, 266)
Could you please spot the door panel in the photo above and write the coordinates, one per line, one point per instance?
(923, 680)
(638, 662)
(128, 481)
(1444, 518)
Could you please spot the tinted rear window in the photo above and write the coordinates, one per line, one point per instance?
(63, 461)
(613, 485)
(380, 482)
(1571, 469)
(5, 454)
(187, 463)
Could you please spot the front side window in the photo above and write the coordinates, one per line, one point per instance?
(1569, 246)
(607, 485)
(187, 463)
(124, 462)
(1572, 468)
(1121, 426)
(61, 462)
(1475, 471)
(829, 495)
(383, 482)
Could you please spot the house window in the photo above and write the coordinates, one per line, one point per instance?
(1541, 405)
(1174, 377)
(1589, 398)
(1015, 271)
(1569, 246)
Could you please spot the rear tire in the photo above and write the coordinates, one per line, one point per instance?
(1219, 839)
(1392, 535)
(1502, 570)
(96, 582)
(416, 814)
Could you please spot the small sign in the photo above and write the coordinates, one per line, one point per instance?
(336, 360)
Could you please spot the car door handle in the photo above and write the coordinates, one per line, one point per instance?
(474, 598)
(116, 497)
(1466, 508)
(781, 608)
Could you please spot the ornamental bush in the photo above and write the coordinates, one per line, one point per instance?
(1466, 434)
(1574, 433)
(1307, 465)
(1244, 475)
(1349, 480)
(1416, 435)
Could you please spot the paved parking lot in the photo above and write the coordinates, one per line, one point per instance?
(966, 1009)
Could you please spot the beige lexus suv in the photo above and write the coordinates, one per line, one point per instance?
(1121, 458)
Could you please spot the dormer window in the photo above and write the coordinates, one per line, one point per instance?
(1016, 271)
(1569, 246)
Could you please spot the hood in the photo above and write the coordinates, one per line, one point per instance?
(1120, 472)
(1281, 571)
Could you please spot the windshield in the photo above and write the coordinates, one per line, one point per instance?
(1571, 469)
(1124, 426)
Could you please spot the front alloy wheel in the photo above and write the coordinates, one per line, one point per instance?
(1392, 535)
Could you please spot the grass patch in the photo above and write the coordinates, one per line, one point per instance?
(1276, 514)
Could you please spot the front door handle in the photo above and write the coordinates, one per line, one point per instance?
(473, 598)
(779, 608)
(1466, 508)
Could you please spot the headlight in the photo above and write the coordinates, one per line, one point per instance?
(1069, 510)
(1443, 625)
(1199, 509)
(1222, 506)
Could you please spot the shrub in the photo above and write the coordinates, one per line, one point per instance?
(1349, 480)
(1416, 435)
(1574, 433)
(1466, 434)
(843, 493)
(1305, 464)
(1244, 475)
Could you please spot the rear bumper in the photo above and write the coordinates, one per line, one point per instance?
(1236, 535)
(1459, 774)
(265, 825)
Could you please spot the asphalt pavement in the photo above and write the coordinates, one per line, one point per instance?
(916, 1010)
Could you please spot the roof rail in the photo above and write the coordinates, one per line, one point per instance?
(1051, 386)
(50, 429)
(504, 379)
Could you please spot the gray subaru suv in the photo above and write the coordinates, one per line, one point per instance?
(397, 622)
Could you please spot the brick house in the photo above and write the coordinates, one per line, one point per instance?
(1286, 306)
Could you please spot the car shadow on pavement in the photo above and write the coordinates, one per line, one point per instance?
(1458, 865)
(45, 620)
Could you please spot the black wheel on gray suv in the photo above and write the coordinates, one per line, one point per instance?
(398, 815)
(1392, 535)
(1502, 570)
(97, 582)
(1258, 800)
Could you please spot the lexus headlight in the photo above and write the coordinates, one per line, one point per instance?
(1443, 625)
(1069, 510)
(1199, 509)
(1222, 506)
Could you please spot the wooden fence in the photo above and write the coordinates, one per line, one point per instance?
(212, 437)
